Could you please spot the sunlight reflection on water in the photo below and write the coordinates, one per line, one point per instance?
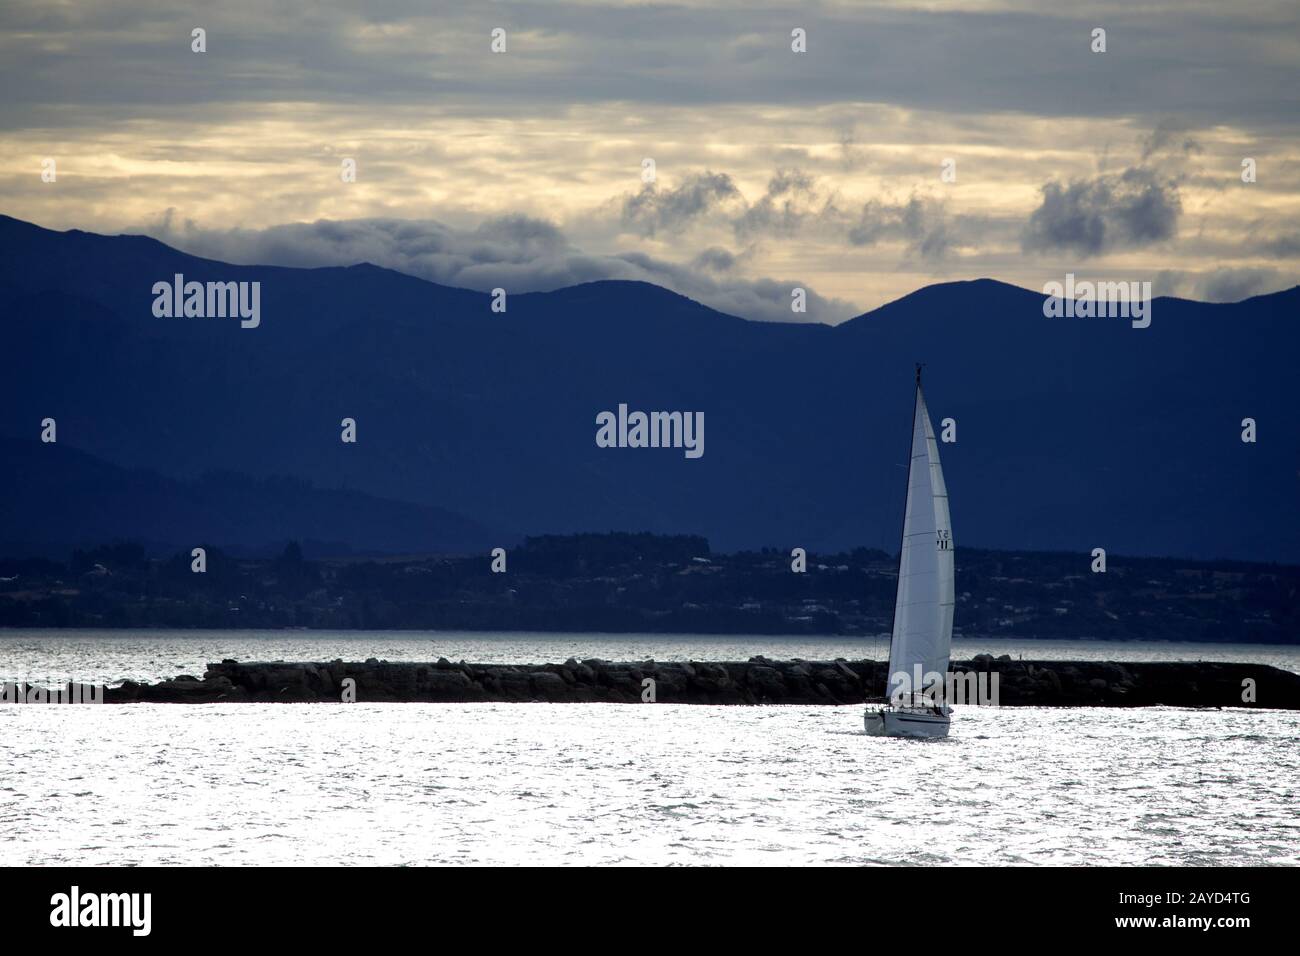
(604, 783)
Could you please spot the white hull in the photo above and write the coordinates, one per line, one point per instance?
(905, 723)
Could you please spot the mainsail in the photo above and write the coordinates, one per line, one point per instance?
(924, 605)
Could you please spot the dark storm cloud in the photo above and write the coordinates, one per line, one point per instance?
(791, 201)
(656, 209)
(1110, 211)
(1169, 136)
(1202, 61)
(794, 203)
(921, 223)
(786, 205)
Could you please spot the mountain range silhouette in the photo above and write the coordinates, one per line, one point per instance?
(475, 428)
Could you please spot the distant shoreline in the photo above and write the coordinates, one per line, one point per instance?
(198, 630)
(620, 583)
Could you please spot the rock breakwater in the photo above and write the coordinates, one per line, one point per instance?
(756, 681)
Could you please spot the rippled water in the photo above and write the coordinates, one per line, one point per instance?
(605, 783)
(114, 656)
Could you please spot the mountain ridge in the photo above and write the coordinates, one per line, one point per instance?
(979, 282)
(1071, 433)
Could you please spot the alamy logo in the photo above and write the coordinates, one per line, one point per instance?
(651, 430)
(209, 300)
(1102, 300)
(931, 689)
(21, 692)
(103, 909)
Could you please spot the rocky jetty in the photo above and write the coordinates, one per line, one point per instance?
(756, 681)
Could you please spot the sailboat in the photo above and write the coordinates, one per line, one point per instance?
(914, 703)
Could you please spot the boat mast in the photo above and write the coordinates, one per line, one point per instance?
(902, 534)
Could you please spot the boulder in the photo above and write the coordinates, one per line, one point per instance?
(549, 686)
(765, 682)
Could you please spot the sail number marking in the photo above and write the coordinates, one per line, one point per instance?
(944, 540)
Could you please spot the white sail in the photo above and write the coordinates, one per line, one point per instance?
(924, 605)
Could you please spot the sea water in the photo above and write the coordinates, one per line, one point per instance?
(619, 784)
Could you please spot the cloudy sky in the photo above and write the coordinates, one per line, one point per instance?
(773, 169)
